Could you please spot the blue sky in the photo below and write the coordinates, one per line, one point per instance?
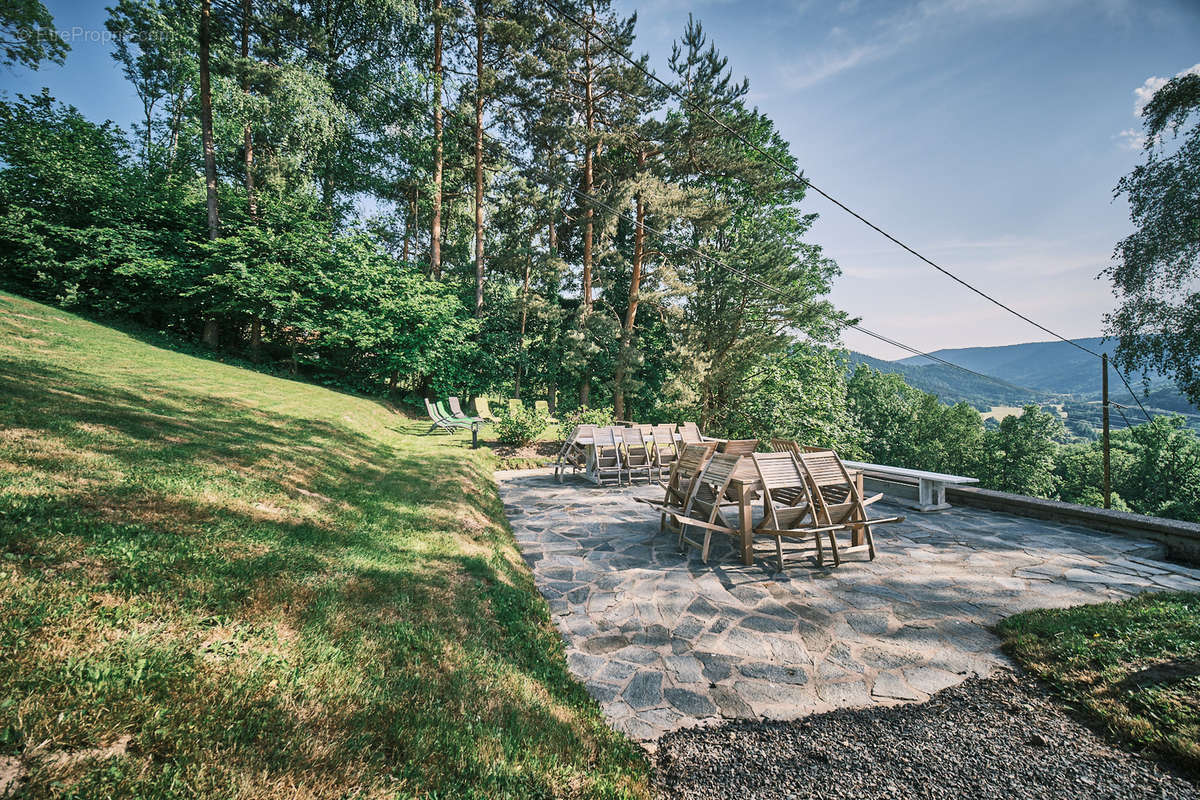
(989, 134)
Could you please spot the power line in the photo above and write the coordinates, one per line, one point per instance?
(588, 31)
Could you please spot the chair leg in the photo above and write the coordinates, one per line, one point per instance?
(870, 541)
(820, 550)
(779, 551)
(707, 542)
(837, 561)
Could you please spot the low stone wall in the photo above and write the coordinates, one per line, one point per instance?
(1182, 539)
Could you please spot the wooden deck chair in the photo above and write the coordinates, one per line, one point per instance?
(788, 509)
(665, 451)
(636, 454)
(442, 421)
(608, 456)
(785, 446)
(515, 406)
(573, 454)
(738, 447)
(457, 411)
(704, 506)
(685, 472)
(689, 433)
(828, 480)
(543, 408)
(482, 410)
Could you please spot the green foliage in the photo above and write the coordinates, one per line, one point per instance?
(521, 426)
(28, 35)
(1157, 266)
(569, 420)
(1019, 454)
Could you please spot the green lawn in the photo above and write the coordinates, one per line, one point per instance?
(1132, 667)
(215, 583)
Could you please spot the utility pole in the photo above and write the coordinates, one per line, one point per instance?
(1104, 413)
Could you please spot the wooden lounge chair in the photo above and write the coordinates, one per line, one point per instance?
(829, 480)
(704, 506)
(482, 410)
(442, 421)
(685, 472)
(515, 406)
(573, 454)
(636, 454)
(788, 509)
(608, 457)
(457, 411)
(738, 447)
(689, 433)
(785, 446)
(543, 408)
(665, 451)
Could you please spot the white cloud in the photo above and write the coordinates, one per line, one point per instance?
(1145, 93)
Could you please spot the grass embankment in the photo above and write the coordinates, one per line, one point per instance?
(1131, 667)
(215, 583)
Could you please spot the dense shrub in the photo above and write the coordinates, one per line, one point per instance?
(520, 427)
(568, 421)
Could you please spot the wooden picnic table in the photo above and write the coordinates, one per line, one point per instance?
(746, 486)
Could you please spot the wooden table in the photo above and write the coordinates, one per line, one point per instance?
(746, 486)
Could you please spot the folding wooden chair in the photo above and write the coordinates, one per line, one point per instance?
(738, 447)
(788, 509)
(607, 455)
(636, 454)
(573, 454)
(785, 446)
(704, 507)
(829, 480)
(665, 451)
(685, 472)
(690, 433)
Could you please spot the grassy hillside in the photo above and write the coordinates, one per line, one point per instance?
(215, 583)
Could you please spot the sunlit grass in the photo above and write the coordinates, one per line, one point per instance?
(218, 583)
(1132, 667)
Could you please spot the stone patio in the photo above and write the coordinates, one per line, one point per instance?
(662, 640)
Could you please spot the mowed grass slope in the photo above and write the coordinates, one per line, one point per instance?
(1131, 667)
(216, 583)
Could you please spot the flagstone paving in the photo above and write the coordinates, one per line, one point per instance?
(663, 641)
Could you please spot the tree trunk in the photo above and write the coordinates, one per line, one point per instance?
(635, 285)
(206, 125)
(248, 139)
(256, 339)
(524, 318)
(478, 157)
(435, 227)
(393, 379)
(410, 226)
(588, 186)
(212, 332)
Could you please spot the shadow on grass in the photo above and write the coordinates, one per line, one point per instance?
(389, 635)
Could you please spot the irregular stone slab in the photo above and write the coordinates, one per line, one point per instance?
(662, 640)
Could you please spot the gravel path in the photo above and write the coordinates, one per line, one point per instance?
(997, 737)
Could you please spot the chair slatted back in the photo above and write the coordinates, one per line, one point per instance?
(710, 489)
(636, 452)
(834, 492)
(647, 430)
(739, 447)
(785, 446)
(690, 433)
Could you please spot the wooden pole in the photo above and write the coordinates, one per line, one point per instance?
(1104, 392)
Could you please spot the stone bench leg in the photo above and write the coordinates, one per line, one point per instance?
(932, 496)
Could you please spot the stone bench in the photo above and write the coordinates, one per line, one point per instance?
(931, 486)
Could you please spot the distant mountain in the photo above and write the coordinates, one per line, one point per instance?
(1034, 372)
(953, 385)
(1055, 367)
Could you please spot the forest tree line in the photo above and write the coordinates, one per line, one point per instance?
(441, 198)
